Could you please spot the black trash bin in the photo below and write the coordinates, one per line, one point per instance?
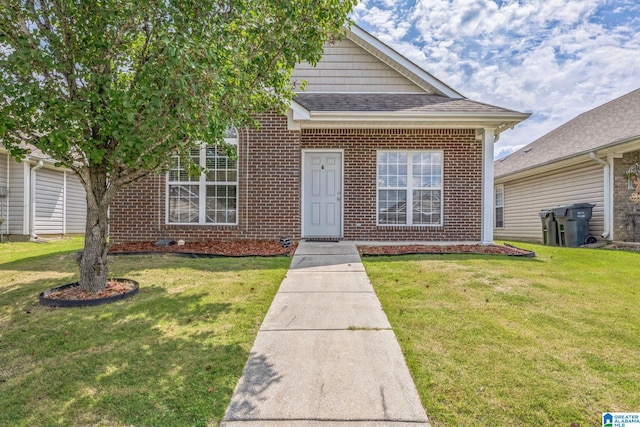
(573, 224)
(549, 228)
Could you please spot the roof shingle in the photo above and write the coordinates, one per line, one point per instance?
(393, 102)
(615, 122)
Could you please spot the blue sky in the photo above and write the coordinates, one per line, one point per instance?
(553, 58)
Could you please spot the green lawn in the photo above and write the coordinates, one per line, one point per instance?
(500, 341)
(170, 356)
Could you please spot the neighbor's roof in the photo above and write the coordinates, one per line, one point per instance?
(610, 124)
(34, 152)
(393, 102)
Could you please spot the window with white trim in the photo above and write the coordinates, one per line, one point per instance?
(211, 197)
(499, 205)
(410, 188)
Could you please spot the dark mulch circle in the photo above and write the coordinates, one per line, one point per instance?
(70, 295)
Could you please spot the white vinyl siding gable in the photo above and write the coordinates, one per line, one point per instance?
(346, 67)
(525, 198)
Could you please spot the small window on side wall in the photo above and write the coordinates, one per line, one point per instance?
(499, 204)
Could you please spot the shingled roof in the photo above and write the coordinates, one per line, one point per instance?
(610, 124)
(390, 102)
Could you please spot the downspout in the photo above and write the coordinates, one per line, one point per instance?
(32, 201)
(246, 182)
(607, 192)
(487, 220)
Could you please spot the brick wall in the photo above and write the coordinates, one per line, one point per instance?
(626, 215)
(268, 194)
(269, 187)
(462, 180)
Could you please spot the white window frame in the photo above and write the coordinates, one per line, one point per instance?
(202, 183)
(410, 188)
(497, 205)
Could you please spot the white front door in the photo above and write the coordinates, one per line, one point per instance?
(322, 194)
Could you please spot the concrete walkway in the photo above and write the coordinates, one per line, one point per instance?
(325, 354)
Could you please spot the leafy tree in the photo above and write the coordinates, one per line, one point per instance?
(113, 88)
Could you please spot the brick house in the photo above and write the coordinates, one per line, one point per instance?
(375, 148)
(589, 159)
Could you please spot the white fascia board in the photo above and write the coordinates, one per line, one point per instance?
(404, 115)
(358, 36)
(299, 112)
(381, 120)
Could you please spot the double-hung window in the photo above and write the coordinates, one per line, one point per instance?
(410, 188)
(211, 197)
(499, 204)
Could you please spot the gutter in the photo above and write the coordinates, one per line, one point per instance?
(607, 192)
(32, 204)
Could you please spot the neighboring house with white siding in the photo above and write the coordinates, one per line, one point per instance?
(587, 160)
(41, 199)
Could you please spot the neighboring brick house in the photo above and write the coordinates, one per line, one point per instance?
(374, 149)
(585, 160)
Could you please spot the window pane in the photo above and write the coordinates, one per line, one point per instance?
(219, 167)
(178, 169)
(184, 203)
(392, 207)
(392, 169)
(174, 169)
(499, 217)
(221, 204)
(500, 195)
(427, 207)
(231, 133)
(426, 170)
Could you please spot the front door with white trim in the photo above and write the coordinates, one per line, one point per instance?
(322, 194)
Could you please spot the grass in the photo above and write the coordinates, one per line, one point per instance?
(169, 356)
(497, 341)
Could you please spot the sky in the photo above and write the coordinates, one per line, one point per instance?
(554, 59)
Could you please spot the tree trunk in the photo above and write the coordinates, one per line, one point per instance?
(93, 264)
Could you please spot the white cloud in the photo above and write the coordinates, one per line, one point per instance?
(554, 58)
(505, 150)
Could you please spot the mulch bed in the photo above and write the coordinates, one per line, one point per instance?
(444, 249)
(75, 293)
(237, 248)
(234, 248)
